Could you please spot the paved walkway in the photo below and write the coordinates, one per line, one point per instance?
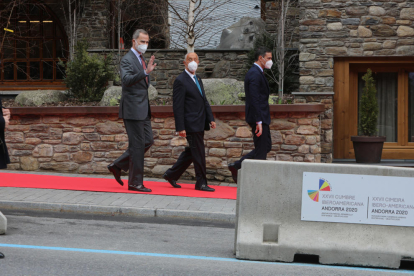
(116, 203)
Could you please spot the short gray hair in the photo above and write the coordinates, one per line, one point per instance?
(185, 57)
(138, 32)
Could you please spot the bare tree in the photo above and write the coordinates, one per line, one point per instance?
(15, 27)
(6, 25)
(73, 12)
(284, 40)
(193, 20)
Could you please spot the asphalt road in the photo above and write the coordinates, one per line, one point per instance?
(40, 244)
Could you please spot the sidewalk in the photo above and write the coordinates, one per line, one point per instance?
(137, 205)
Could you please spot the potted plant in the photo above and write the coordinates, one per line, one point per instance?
(368, 147)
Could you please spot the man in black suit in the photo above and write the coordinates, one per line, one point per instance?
(4, 122)
(135, 110)
(4, 154)
(192, 115)
(257, 91)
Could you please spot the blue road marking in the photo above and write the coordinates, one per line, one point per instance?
(146, 254)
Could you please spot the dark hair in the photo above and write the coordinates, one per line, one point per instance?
(261, 51)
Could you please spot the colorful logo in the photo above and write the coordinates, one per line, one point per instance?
(323, 186)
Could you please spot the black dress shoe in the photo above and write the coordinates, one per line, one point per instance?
(172, 182)
(139, 188)
(233, 170)
(116, 172)
(1, 255)
(205, 188)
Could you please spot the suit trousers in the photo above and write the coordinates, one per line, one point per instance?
(140, 139)
(262, 145)
(194, 153)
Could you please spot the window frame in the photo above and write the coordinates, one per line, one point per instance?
(346, 104)
(45, 14)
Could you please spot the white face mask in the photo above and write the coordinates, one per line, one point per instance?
(192, 66)
(269, 64)
(142, 48)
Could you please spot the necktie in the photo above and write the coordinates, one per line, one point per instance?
(144, 66)
(198, 85)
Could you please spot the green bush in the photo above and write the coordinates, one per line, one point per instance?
(87, 75)
(292, 73)
(368, 106)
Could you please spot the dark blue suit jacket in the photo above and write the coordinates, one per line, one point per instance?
(257, 91)
(192, 112)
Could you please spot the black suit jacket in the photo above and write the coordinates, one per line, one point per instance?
(192, 112)
(4, 155)
(134, 103)
(257, 91)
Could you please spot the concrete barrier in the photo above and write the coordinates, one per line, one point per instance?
(3, 224)
(269, 225)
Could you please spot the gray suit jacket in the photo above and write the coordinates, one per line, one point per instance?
(134, 101)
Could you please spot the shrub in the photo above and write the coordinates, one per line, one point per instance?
(292, 73)
(368, 106)
(87, 75)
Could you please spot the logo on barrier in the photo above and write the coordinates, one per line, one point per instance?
(323, 186)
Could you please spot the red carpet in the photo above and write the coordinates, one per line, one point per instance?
(107, 185)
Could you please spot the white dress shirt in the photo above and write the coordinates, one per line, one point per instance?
(191, 75)
(261, 69)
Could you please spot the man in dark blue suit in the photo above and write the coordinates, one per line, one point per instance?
(257, 92)
(193, 116)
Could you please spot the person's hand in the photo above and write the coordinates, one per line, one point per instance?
(258, 130)
(213, 124)
(6, 116)
(7, 120)
(151, 65)
(182, 133)
(6, 112)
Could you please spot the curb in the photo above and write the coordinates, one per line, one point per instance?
(117, 211)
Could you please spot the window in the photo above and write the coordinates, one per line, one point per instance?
(387, 95)
(394, 79)
(32, 52)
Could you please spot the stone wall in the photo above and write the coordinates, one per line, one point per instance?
(95, 24)
(213, 64)
(350, 28)
(86, 143)
(335, 28)
(326, 118)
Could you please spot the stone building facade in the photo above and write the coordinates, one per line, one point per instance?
(95, 24)
(330, 29)
(340, 39)
(337, 35)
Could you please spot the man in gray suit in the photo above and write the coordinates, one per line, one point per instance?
(135, 110)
